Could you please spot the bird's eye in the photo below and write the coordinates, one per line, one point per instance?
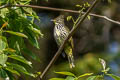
(58, 21)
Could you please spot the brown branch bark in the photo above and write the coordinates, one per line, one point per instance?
(70, 34)
(63, 10)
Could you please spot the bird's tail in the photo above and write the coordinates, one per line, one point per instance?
(71, 61)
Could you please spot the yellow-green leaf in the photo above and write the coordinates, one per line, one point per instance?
(3, 73)
(28, 10)
(70, 78)
(10, 50)
(3, 59)
(66, 73)
(88, 17)
(37, 31)
(86, 74)
(3, 44)
(37, 74)
(69, 18)
(12, 71)
(21, 59)
(20, 69)
(91, 78)
(17, 34)
(114, 76)
(78, 5)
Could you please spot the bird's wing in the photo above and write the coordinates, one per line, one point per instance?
(71, 39)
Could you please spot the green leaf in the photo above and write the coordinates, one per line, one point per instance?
(10, 50)
(34, 41)
(106, 70)
(21, 59)
(17, 34)
(3, 73)
(89, 17)
(114, 76)
(66, 73)
(99, 77)
(3, 12)
(86, 74)
(28, 10)
(78, 5)
(35, 15)
(56, 79)
(20, 69)
(10, 75)
(69, 18)
(91, 78)
(87, 4)
(3, 43)
(37, 31)
(37, 74)
(70, 78)
(24, 2)
(3, 59)
(2, 1)
(0, 66)
(12, 71)
(32, 55)
(32, 38)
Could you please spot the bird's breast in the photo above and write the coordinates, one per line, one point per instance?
(57, 32)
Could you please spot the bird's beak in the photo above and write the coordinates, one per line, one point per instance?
(53, 20)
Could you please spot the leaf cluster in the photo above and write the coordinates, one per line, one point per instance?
(16, 27)
(89, 76)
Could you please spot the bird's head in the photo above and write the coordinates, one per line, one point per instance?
(59, 19)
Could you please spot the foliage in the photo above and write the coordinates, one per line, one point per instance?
(82, 8)
(89, 76)
(16, 27)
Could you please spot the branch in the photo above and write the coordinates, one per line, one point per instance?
(63, 10)
(79, 22)
(4, 6)
(106, 18)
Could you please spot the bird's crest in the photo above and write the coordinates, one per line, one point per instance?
(60, 17)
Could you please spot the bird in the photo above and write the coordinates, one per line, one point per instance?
(61, 31)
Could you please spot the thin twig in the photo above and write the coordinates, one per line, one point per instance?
(4, 6)
(63, 10)
(70, 34)
(106, 18)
